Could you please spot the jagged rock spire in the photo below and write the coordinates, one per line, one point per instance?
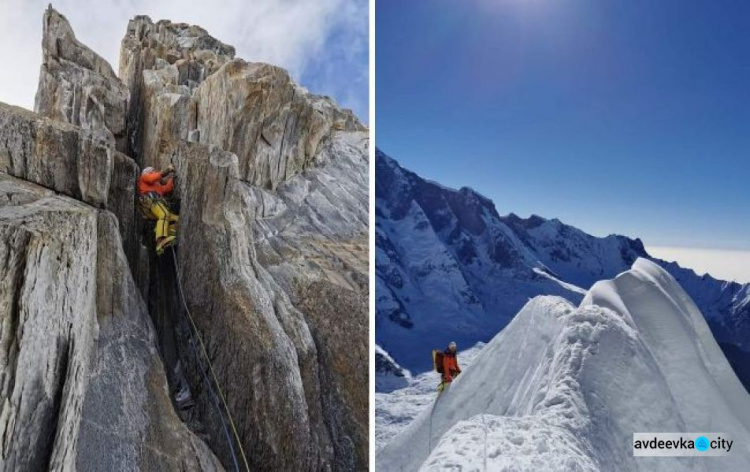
(78, 86)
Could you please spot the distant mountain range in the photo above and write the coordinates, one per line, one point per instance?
(449, 267)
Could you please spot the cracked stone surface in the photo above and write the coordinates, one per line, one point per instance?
(186, 85)
(72, 161)
(83, 387)
(78, 86)
(272, 251)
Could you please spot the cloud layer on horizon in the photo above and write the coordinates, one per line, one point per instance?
(720, 264)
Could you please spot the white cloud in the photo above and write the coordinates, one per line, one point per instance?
(719, 263)
(303, 36)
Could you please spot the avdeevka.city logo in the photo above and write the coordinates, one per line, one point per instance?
(702, 443)
(681, 444)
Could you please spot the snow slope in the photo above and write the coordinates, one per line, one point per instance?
(564, 388)
(725, 305)
(395, 410)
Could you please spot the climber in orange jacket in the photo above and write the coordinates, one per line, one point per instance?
(153, 186)
(450, 364)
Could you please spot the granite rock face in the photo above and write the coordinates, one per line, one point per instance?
(162, 63)
(78, 86)
(273, 125)
(272, 261)
(83, 387)
(186, 85)
(71, 161)
(281, 305)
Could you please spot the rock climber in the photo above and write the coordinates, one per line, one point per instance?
(153, 187)
(448, 365)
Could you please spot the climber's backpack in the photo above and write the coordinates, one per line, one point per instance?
(437, 360)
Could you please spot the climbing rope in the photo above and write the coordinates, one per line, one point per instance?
(213, 374)
(485, 440)
(432, 412)
(216, 405)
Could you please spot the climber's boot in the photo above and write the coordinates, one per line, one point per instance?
(164, 243)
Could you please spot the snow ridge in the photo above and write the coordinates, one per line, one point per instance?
(564, 388)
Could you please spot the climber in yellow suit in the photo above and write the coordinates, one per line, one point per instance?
(153, 186)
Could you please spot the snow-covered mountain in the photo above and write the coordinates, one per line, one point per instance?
(565, 387)
(388, 374)
(449, 267)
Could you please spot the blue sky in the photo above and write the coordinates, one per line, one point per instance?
(628, 117)
(323, 43)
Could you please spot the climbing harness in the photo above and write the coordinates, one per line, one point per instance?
(155, 207)
(213, 393)
(144, 204)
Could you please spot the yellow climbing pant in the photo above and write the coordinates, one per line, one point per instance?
(166, 221)
(165, 229)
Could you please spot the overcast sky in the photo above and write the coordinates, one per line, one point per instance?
(323, 43)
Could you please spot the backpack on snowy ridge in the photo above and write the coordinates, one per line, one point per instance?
(437, 361)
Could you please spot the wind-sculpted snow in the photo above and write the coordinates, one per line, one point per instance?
(678, 337)
(501, 443)
(725, 305)
(570, 386)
